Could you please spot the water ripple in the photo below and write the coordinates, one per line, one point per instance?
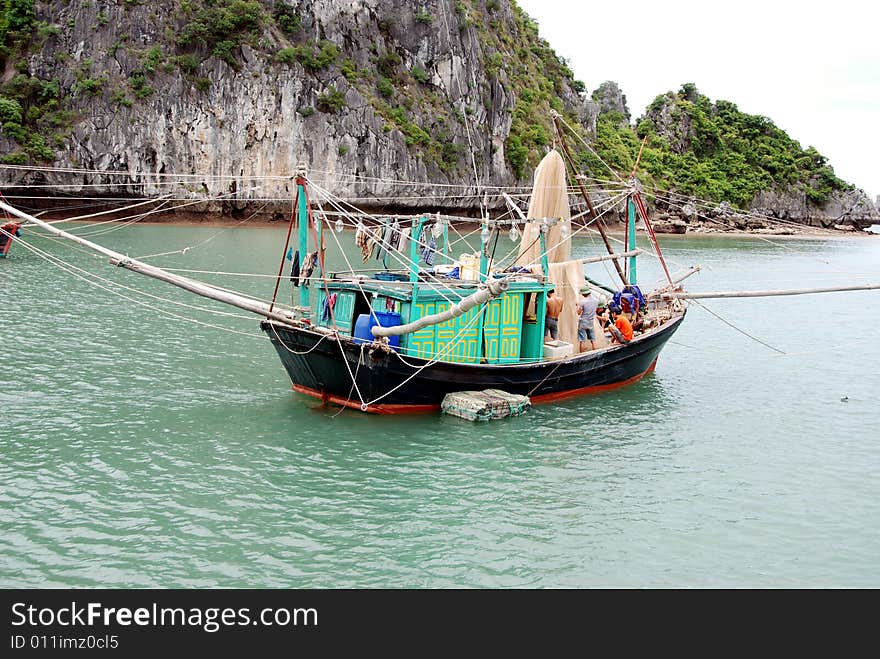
(137, 451)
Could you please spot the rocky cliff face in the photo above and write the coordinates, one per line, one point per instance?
(386, 89)
(223, 100)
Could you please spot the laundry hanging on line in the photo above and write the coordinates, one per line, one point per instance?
(294, 268)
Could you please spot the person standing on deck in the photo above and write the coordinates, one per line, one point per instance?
(586, 309)
(554, 307)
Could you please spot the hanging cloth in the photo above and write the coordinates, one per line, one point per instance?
(308, 267)
(365, 238)
(429, 251)
(329, 303)
(294, 269)
(395, 235)
(393, 242)
(385, 245)
(404, 241)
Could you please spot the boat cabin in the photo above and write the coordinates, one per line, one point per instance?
(510, 331)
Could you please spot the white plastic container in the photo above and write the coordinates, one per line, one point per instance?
(557, 349)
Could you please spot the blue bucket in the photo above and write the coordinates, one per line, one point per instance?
(366, 321)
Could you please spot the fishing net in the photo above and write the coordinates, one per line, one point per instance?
(484, 405)
(549, 199)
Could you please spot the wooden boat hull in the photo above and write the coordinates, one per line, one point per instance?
(322, 366)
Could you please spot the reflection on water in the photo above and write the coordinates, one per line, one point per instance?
(137, 449)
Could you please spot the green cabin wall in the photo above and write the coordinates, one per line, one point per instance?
(533, 333)
(342, 310)
(500, 335)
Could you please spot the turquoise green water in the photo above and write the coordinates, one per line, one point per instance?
(139, 449)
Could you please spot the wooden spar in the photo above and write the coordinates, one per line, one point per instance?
(790, 291)
(600, 225)
(609, 257)
(681, 276)
(632, 174)
(494, 288)
(191, 285)
(640, 204)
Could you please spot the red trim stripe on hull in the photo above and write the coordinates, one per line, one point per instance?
(374, 409)
(595, 389)
(423, 409)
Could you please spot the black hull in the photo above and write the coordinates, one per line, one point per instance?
(391, 383)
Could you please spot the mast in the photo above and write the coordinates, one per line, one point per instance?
(600, 225)
(191, 285)
(631, 237)
(303, 231)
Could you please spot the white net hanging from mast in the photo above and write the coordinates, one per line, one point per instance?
(549, 200)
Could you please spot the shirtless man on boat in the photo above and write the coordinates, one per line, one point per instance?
(555, 303)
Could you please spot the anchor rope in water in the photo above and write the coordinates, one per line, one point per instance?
(357, 370)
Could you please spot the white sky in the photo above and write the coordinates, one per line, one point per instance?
(812, 67)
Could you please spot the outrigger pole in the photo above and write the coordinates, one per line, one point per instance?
(191, 285)
(789, 291)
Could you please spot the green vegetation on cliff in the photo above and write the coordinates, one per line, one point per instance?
(28, 106)
(515, 55)
(696, 147)
(712, 151)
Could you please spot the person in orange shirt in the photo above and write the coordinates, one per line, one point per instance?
(622, 329)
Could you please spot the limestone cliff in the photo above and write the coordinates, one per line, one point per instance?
(377, 88)
(223, 99)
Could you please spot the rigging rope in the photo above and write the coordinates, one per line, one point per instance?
(741, 331)
(72, 269)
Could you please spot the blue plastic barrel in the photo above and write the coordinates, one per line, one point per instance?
(365, 322)
(362, 327)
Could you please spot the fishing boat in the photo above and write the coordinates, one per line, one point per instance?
(399, 341)
(8, 232)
